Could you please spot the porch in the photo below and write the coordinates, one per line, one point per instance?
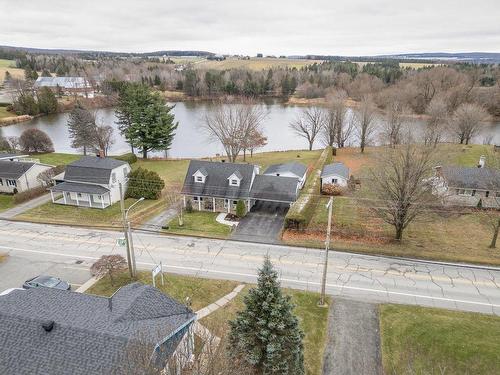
(201, 203)
(81, 195)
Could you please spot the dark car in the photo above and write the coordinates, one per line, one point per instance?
(47, 282)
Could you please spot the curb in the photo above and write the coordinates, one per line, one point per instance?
(89, 283)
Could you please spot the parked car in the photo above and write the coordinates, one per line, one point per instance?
(7, 291)
(46, 281)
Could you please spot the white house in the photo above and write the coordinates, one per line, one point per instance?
(92, 181)
(292, 169)
(335, 174)
(18, 175)
(69, 85)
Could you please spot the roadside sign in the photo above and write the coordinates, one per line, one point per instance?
(121, 242)
(155, 271)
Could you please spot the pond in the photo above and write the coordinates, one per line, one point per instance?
(191, 141)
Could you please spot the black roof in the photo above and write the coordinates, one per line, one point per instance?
(91, 169)
(14, 169)
(274, 188)
(472, 177)
(216, 182)
(339, 169)
(76, 187)
(90, 334)
(297, 169)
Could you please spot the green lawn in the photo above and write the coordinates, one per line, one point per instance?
(171, 171)
(313, 321)
(4, 113)
(202, 292)
(418, 340)
(6, 202)
(264, 159)
(200, 223)
(56, 158)
(110, 216)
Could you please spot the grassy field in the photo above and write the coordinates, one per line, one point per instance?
(418, 340)
(202, 292)
(6, 202)
(171, 171)
(10, 66)
(57, 158)
(200, 223)
(4, 113)
(253, 64)
(110, 216)
(448, 234)
(264, 159)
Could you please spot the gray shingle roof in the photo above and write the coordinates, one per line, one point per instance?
(14, 169)
(274, 188)
(75, 187)
(91, 169)
(216, 181)
(297, 169)
(472, 178)
(91, 334)
(339, 169)
(63, 82)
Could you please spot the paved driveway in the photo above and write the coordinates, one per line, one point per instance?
(262, 224)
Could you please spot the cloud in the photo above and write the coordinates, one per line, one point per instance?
(356, 27)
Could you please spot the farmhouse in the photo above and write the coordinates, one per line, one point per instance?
(468, 186)
(335, 174)
(218, 186)
(92, 181)
(64, 332)
(68, 85)
(292, 169)
(18, 174)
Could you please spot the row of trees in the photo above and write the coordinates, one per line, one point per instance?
(29, 102)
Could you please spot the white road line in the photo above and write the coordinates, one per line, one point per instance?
(252, 276)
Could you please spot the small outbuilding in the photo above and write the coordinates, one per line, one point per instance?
(335, 174)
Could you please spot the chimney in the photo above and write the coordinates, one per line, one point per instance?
(482, 161)
(48, 325)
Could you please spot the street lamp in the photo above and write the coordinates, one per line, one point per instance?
(128, 236)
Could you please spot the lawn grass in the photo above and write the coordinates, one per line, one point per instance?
(313, 321)
(264, 159)
(4, 113)
(107, 217)
(56, 158)
(199, 223)
(428, 340)
(6, 202)
(171, 171)
(202, 292)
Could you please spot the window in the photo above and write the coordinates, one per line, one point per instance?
(198, 198)
(234, 182)
(487, 194)
(1, 182)
(235, 203)
(497, 194)
(199, 179)
(11, 183)
(473, 192)
(113, 177)
(79, 195)
(465, 192)
(334, 180)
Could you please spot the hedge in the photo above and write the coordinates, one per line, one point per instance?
(129, 158)
(302, 211)
(29, 194)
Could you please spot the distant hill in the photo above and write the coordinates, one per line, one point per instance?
(475, 57)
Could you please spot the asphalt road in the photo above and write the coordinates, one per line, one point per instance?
(360, 277)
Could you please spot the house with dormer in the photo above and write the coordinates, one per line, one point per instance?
(218, 186)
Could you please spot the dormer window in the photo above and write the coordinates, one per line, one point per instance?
(235, 179)
(200, 175)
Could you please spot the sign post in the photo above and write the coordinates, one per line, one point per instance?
(155, 271)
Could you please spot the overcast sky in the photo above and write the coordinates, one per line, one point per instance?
(348, 27)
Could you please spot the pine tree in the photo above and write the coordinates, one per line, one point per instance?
(266, 334)
(82, 128)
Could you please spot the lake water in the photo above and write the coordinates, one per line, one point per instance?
(190, 141)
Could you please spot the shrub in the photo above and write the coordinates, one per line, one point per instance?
(332, 189)
(144, 183)
(29, 194)
(35, 141)
(129, 158)
(46, 177)
(189, 206)
(240, 209)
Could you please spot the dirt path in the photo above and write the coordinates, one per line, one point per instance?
(353, 345)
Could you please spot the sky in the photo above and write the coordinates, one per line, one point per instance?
(277, 27)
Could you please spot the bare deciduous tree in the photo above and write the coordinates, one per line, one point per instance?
(309, 124)
(364, 121)
(466, 121)
(256, 139)
(400, 186)
(103, 138)
(394, 122)
(233, 125)
(434, 129)
(108, 265)
(334, 122)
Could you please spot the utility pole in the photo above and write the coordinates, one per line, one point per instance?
(322, 301)
(125, 230)
(132, 254)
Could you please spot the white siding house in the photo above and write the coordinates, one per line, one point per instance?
(335, 174)
(18, 175)
(92, 181)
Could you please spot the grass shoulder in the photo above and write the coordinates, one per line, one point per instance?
(420, 340)
(6, 202)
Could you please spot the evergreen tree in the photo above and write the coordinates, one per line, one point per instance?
(82, 128)
(46, 73)
(240, 208)
(266, 334)
(144, 183)
(47, 101)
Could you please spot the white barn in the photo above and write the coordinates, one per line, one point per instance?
(336, 174)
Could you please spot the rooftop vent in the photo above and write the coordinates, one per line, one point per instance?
(48, 325)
